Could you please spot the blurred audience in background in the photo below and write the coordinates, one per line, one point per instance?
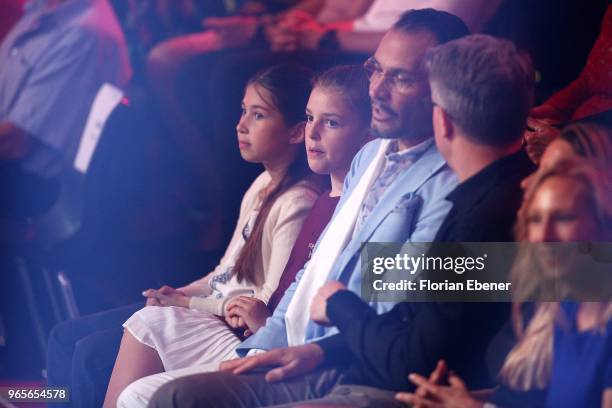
(54, 61)
(588, 96)
(164, 187)
(9, 15)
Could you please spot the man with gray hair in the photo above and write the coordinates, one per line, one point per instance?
(482, 90)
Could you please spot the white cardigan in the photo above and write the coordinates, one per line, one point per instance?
(213, 292)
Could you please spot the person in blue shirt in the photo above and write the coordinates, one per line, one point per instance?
(54, 60)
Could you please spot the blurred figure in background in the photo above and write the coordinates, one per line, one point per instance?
(587, 95)
(588, 140)
(53, 61)
(198, 78)
(9, 15)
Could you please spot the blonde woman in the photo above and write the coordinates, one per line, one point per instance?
(566, 347)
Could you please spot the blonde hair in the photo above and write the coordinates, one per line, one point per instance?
(596, 178)
(529, 364)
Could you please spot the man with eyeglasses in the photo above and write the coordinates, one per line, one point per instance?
(404, 201)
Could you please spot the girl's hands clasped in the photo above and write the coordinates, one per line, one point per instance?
(166, 296)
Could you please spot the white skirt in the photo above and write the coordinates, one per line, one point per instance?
(183, 337)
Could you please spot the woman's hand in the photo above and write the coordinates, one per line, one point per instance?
(252, 311)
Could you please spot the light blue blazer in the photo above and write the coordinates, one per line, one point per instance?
(410, 210)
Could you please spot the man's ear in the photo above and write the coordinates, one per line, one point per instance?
(443, 125)
(297, 133)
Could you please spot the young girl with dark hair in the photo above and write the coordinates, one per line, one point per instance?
(185, 326)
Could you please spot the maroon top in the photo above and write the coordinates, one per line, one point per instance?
(317, 220)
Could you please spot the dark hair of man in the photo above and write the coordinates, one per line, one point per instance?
(444, 26)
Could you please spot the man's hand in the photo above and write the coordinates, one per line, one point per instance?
(438, 376)
(456, 395)
(290, 362)
(318, 307)
(251, 310)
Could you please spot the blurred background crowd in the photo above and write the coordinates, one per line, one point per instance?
(163, 188)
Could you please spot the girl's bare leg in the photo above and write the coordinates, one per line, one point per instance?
(134, 361)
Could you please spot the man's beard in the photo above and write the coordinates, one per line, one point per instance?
(392, 133)
(403, 131)
(414, 126)
(387, 134)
